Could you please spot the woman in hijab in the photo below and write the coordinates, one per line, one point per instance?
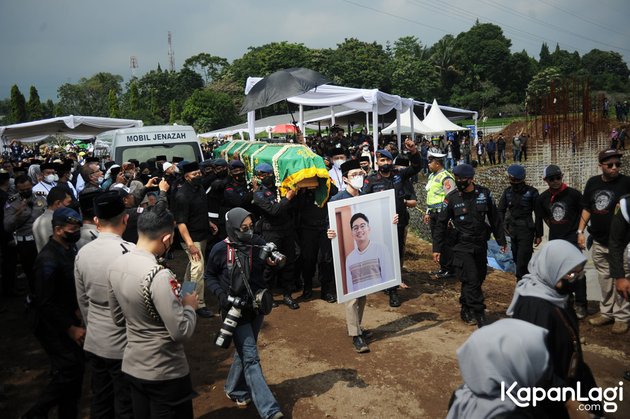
(541, 298)
(506, 351)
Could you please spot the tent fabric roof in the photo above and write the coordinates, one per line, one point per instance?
(72, 126)
(437, 122)
(352, 98)
(405, 125)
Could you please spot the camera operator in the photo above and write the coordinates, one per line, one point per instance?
(234, 273)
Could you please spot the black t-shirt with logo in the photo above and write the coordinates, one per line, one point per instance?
(600, 198)
(562, 215)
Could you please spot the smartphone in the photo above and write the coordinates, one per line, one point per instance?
(188, 287)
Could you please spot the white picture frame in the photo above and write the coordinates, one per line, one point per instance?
(380, 255)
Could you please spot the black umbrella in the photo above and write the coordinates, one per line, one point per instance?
(281, 85)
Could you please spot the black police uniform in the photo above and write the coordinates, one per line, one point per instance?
(8, 253)
(516, 207)
(277, 226)
(474, 217)
(238, 194)
(54, 307)
(315, 246)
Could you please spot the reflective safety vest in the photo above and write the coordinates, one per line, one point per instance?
(435, 189)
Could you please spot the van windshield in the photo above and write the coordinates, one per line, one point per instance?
(145, 152)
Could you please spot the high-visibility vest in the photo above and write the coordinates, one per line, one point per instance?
(435, 189)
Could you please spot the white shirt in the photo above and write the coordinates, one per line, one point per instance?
(369, 267)
(44, 187)
(337, 178)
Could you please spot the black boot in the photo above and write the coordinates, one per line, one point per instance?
(480, 317)
(394, 301)
(467, 316)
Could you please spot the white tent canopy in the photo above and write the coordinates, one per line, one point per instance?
(406, 127)
(437, 122)
(78, 127)
(366, 100)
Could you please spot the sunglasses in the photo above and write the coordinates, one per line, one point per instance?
(572, 276)
(553, 178)
(611, 165)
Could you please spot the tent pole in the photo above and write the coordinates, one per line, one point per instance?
(332, 116)
(251, 120)
(476, 116)
(398, 135)
(375, 129)
(301, 118)
(367, 123)
(412, 116)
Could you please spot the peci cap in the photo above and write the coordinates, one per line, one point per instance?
(464, 171)
(190, 167)
(551, 170)
(516, 171)
(177, 159)
(109, 204)
(161, 157)
(64, 215)
(385, 153)
(121, 189)
(606, 154)
(350, 165)
(264, 168)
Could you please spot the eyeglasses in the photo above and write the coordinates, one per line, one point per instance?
(362, 227)
(613, 164)
(572, 276)
(553, 178)
(247, 227)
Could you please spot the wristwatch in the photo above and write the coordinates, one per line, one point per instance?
(580, 232)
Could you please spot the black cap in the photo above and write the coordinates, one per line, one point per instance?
(551, 170)
(160, 157)
(47, 166)
(465, 171)
(86, 202)
(220, 163)
(236, 164)
(350, 165)
(364, 158)
(177, 159)
(108, 205)
(190, 167)
(606, 154)
(92, 160)
(4, 176)
(336, 151)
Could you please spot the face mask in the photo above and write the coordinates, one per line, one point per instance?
(50, 179)
(100, 179)
(269, 181)
(357, 182)
(222, 174)
(245, 236)
(72, 237)
(566, 287)
(338, 163)
(240, 178)
(385, 168)
(26, 194)
(196, 181)
(70, 177)
(517, 186)
(462, 184)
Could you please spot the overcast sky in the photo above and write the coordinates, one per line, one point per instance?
(46, 43)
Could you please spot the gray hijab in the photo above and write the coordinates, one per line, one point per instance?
(508, 350)
(34, 172)
(554, 260)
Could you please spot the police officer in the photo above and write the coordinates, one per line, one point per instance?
(42, 227)
(8, 254)
(55, 322)
(104, 341)
(516, 208)
(387, 178)
(467, 208)
(277, 227)
(20, 212)
(439, 184)
(146, 298)
(237, 192)
(89, 231)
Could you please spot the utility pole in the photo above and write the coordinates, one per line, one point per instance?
(133, 64)
(171, 54)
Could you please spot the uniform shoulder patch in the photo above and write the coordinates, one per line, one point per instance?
(13, 198)
(40, 193)
(140, 210)
(268, 193)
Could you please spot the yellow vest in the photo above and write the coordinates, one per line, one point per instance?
(435, 189)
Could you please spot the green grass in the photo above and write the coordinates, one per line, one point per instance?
(491, 121)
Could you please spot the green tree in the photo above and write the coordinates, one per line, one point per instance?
(545, 59)
(34, 106)
(18, 106)
(522, 69)
(607, 70)
(208, 66)
(360, 64)
(113, 105)
(541, 82)
(89, 96)
(444, 59)
(568, 63)
(207, 110)
(413, 75)
(173, 112)
(48, 109)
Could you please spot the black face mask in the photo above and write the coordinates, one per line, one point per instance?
(26, 194)
(385, 168)
(221, 174)
(269, 181)
(244, 236)
(196, 181)
(519, 186)
(72, 237)
(239, 178)
(462, 184)
(566, 287)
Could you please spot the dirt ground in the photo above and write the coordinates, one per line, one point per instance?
(309, 361)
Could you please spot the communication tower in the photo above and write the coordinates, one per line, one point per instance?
(133, 64)
(171, 54)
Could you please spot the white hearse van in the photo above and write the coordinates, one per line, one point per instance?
(148, 142)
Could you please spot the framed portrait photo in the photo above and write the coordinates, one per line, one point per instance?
(365, 249)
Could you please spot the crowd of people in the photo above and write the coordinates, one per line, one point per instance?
(93, 238)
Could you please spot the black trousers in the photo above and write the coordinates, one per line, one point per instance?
(168, 399)
(8, 256)
(316, 254)
(492, 158)
(27, 252)
(111, 393)
(471, 266)
(285, 276)
(522, 243)
(446, 252)
(66, 376)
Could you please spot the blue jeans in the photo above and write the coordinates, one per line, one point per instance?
(450, 163)
(246, 378)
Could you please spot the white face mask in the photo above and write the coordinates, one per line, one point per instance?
(357, 182)
(100, 179)
(70, 177)
(338, 163)
(50, 179)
